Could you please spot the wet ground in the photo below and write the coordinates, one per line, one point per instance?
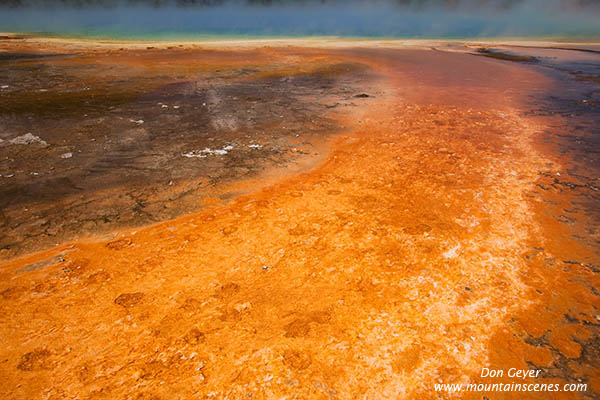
(569, 112)
(101, 141)
(451, 225)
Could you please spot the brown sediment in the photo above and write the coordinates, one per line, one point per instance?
(140, 129)
(588, 78)
(500, 55)
(422, 249)
(568, 48)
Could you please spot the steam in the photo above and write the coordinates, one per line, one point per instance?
(411, 4)
(369, 18)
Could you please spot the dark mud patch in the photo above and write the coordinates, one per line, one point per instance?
(583, 50)
(54, 104)
(11, 37)
(6, 56)
(127, 147)
(503, 55)
(570, 112)
(587, 78)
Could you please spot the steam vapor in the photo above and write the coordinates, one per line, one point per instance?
(411, 4)
(393, 18)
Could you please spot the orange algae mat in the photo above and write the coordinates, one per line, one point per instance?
(415, 254)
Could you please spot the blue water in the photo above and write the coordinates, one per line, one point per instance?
(357, 20)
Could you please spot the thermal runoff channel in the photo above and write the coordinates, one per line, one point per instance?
(300, 200)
